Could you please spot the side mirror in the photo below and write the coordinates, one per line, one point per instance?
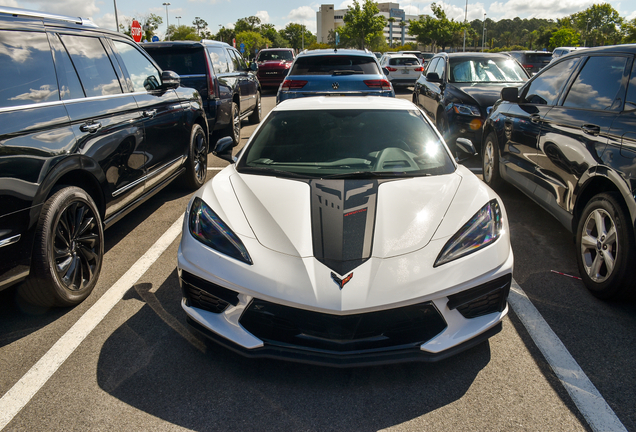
(510, 94)
(170, 80)
(433, 77)
(253, 66)
(385, 71)
(466, 146)
(223, 149)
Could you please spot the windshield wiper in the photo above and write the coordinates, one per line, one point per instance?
(272, 172)
(374, 174)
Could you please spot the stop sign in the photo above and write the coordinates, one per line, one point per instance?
(135, 30)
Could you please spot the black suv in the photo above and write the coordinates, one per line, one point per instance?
(90, 128)
(567, 139)
(228, 86)
(532, 61)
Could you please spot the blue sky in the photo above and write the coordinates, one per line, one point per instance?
(281, 12)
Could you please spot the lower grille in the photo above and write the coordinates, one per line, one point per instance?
(482, 300)
(205, 295)
(287, 326)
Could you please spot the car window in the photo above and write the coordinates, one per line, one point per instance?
(598, 84)
(432, 65)
(275, 55)
(69, 83)
(143, 74)
(92, 65)
(486, 70)
(27, 70)
(631, 90)
(335, 64)
(241, 60)
(219, 59)
(234, 61)
(439, 68)
(404, 61)
(181, 61)
(546, 87)
(391, 143)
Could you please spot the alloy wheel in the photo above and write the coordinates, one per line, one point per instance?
(599, 245)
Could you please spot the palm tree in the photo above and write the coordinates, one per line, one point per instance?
(403, 25)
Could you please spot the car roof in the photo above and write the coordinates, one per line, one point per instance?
(322, 52)
(405, 56)
(177, 44)
(345, 102)
(624, 48)
(474, 55)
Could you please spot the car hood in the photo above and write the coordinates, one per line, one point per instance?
(485, 94)
(344, 220)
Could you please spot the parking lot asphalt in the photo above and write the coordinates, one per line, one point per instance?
(142, 368)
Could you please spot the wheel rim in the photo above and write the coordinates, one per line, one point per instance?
(259, 105)
(200, 157)
(76, 246)
(236, 123)
(599, 245)
(489, 162)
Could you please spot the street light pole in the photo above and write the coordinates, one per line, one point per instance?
(483, 41)
(465, 19)
(116, 19)
(178, 21)
(167, 20)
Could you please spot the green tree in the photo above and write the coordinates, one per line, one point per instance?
(564, 37)
(269, 31)
(225, 35)
(363, 22)
(182, 32)
(250, 23)
(437, 30)
(200, 25)
(298, 36)
(253, 41)
(603, 24)
(630, 31)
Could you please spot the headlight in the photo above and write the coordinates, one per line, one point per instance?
(469, 110)
(482, 229)
(207, 227)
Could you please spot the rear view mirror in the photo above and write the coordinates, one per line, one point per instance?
(223, 149)
(510, 94)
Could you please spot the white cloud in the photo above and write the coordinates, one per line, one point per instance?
(303, 13)
(9, 3)
(345, 4)
(76, 8)
(631, 16)
(263, 15)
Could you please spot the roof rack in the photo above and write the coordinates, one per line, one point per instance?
(45, 15)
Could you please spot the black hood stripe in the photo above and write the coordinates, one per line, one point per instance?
(342, 230)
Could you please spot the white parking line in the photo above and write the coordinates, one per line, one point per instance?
(24, 390)
(587, 398)
(589, 401)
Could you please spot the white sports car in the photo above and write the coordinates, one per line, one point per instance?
(345, 234)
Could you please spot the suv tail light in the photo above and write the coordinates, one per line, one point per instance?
(292, 84)
(391, 69)
(418, 69)
(527, 66)
(378, 84)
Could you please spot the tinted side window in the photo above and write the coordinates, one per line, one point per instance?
(439, 68)
(219, 59)
(631, 90)
(180, 60)
(234, 62)
(598, 84)
(545, 88)
(26, 68)
(93, 65)
(143, 74)
(70, 86)
(240, 59)
(432, 65)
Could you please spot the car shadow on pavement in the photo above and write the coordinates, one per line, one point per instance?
(156, 364)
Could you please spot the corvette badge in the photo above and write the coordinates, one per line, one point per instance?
(341, 282)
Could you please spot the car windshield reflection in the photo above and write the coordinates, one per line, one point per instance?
(486, 70)
(346, 144)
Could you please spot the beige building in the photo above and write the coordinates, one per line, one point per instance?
(328, 18)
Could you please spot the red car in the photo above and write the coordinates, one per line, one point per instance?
(273, 65)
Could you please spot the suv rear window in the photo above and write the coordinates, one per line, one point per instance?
(335, 64)
(181, 61)
(539, 58)
(404, 61)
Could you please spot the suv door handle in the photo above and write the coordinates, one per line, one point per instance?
(90, 127)
(149, 114)
(535, 118)
(591, 129)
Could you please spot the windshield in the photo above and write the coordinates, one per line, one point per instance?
(486, 70)
(346, 144)
(334, 65)
(275, 55)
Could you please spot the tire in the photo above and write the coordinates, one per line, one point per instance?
(604, 235)
(255, 118)
(490, 162)
(67, 252)
(235, 125)
(442, 124)
(197, 163)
